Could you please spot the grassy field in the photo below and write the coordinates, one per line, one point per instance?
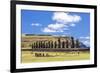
(29, 57)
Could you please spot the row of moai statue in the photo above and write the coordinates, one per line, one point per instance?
(57, 44)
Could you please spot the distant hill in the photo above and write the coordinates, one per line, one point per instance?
(83, 45)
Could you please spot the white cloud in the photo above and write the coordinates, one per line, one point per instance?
(87, 37)
(65, 18)
(55, 28)
(76, 18)
(48, 30)
(36, 24)
(73, 25)
(63, 22)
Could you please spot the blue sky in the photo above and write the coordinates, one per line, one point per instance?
(56, 23)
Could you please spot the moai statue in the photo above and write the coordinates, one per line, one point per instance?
(72, 42)
(77, 43)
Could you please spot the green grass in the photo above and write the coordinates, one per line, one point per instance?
(29, 57)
